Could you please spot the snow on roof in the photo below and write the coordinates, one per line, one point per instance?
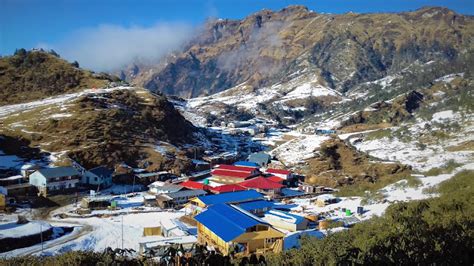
(283, 216)
(277, 171)
(14, 177)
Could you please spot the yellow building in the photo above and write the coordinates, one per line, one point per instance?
(228, 228)
(2, 202)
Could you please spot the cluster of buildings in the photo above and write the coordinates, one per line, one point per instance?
(36, 180)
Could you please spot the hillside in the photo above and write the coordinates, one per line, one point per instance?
(98, 127)
(338, 52)
(33, 75)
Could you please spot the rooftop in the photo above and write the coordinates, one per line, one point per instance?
(255, 205)
(227, 167)
(278, 171)
(245, 163)
(226, 221)
(101, 171)
(194, 185)
(58, 172)
(261, 183)
(242, 175)
(231, 197)
(186, 193)
(227, 188)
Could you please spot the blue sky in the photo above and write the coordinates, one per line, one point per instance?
(48, 23)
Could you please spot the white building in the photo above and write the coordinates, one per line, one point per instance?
(98, 176)
(55, 179)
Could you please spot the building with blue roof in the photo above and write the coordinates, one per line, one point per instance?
(246, 164)
(257, 207)
(230, 197)
(285, 220)
(229, 229)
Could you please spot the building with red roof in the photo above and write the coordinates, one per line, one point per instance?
(235, 168)
(263, 185)
(276, 179)
(230, 177)
(195, 185)
(227, 188)
(285, 174)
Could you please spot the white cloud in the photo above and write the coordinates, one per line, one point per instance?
(109, 47)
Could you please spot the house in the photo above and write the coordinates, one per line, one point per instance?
(326, 199)
(172, 228)
(256, 207)
(263, 185)
(16, 185)
(260, 158)
(96, 203)
(285, 174)
(246, 164)
(230, 229)
(174, 199)
(227, 188)
(311, 188)
(98, 177)
(195, 185)
(231, 174)
(160, 187)
(285, 220)
(148, 178)
(56, 179)
(230, 197)
(159, 245)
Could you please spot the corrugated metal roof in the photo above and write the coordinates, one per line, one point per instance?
(228, 188)
(186, 193)
(260, 158)
(278, 171)
(245, 163)
(261, 183)
(225, 221)
(226, 173)
(101, 171)
(231, 197)
(194, 185)
(256, 205)
(284, 216)
(236, 168)
(58, 172)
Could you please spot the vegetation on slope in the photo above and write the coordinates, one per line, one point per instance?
(433, 231)
(340, 165)
(33, 75)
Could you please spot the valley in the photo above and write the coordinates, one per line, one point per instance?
(289, 132)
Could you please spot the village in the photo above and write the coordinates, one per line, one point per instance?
(240, 208)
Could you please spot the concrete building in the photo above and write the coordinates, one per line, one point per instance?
(56, 180)
(98, 177)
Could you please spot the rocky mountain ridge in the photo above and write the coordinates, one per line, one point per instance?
(343, 51)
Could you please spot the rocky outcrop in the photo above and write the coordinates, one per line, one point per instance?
(345, 50)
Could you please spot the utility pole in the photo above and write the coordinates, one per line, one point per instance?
(41, 236)
(122, 231)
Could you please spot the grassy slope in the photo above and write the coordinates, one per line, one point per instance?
(35, 75)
